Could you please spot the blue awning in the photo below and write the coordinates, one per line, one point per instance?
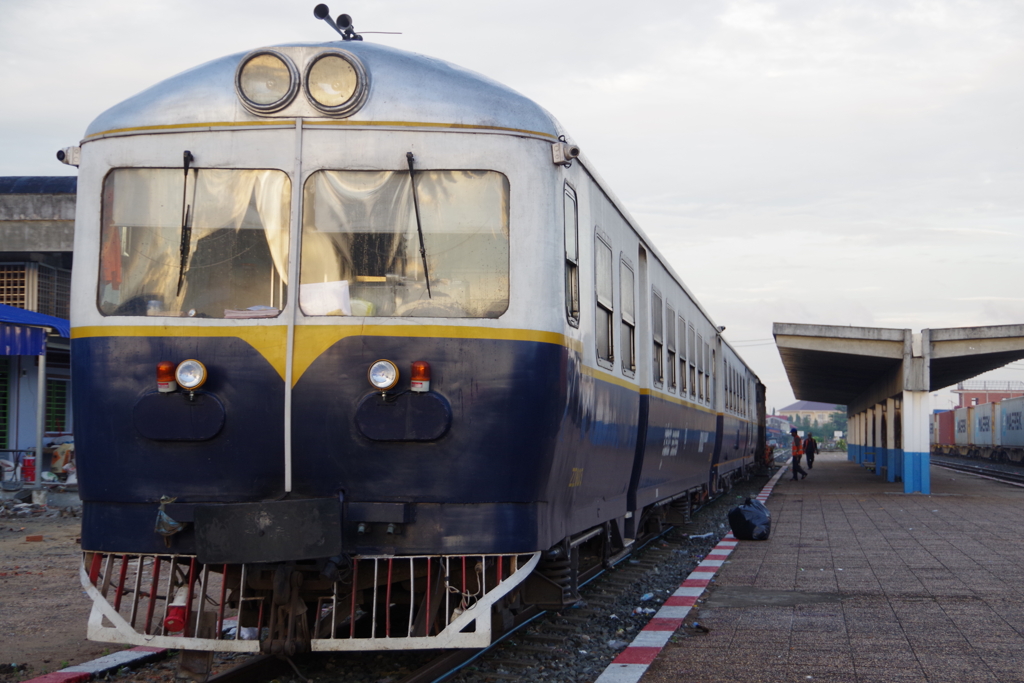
(22, 332)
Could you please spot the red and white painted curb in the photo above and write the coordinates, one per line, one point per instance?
(100, 666)
(633, 662)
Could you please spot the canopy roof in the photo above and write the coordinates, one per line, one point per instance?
(23, 333)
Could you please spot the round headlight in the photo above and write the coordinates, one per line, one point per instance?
(383, 375)
(190, 374)
(266, 81)
(336, 83)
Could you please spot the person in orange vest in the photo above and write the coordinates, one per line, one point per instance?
(798, 452)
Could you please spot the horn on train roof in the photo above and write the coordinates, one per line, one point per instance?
(343, 25)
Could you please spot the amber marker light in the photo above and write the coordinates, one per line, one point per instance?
(165, 377)
(419, 379)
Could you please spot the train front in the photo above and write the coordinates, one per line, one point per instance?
(356, 462)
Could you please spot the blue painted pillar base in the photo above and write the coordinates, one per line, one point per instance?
(851, 452)
(916, 475)
(869, 456)
(895, 465)
(881, 460)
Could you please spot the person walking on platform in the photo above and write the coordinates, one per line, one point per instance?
(810, 450)
(798, 452)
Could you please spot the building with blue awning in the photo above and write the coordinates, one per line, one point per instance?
(36, 239)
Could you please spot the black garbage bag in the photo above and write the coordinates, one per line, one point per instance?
(750, 521)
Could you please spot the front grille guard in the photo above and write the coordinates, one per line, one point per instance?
(223, 608)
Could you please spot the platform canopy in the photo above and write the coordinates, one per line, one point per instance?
(884, 376)
(23, 333)
(860, 366)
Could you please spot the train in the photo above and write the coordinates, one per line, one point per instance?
(989, 431)
(486, 377)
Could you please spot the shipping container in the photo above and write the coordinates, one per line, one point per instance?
(946, 432)
(962, 420)
(1012, 423)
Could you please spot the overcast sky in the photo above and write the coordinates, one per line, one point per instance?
(807, 161)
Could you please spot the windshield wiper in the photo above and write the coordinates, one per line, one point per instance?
(186, 223)
(419, 226)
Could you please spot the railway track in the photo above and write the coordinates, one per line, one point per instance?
(574, 644)
(1004, 473)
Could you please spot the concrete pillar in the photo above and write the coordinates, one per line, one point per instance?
(851, 438)
(882, 446)
(890, 440)
(869, 437)
(916, 456)
(898, 441)
(858, 437)
(879, 438)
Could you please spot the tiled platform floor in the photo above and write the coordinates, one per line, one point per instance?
(861, 582)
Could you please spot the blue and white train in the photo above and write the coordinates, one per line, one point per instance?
(366, 356)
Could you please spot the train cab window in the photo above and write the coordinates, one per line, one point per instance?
(605, 316)
(220, 253)
(658, 333)
(670, 344)
(366, 253)
(691, 343)
(572, 256)
(628, 332)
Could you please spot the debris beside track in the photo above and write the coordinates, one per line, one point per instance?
(16, 509)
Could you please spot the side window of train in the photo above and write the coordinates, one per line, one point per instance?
(628, 335)
(658, 332)
(572, 257)
(734, 404)
(604, 323)
(728, 387)
(670, 344)
(713, 388)
(682, 356)
(707, 372)
(700, 367)
(691, 343)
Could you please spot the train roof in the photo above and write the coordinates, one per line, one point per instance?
(405, 89)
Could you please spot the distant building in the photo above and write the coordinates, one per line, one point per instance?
(816, 412)
(778, 427)
(977, 392)
(37, 227)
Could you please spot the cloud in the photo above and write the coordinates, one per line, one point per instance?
(798, 160)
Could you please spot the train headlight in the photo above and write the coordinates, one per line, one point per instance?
(266, 81)
(336, 83)
(383, 375)
(190, 374)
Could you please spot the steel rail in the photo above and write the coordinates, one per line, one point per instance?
(1009, 477)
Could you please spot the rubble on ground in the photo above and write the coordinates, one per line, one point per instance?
(12, 508)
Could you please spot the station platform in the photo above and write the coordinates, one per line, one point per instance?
(860, 582)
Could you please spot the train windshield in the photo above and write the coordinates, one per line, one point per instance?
(365, 253)
(212, 244)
